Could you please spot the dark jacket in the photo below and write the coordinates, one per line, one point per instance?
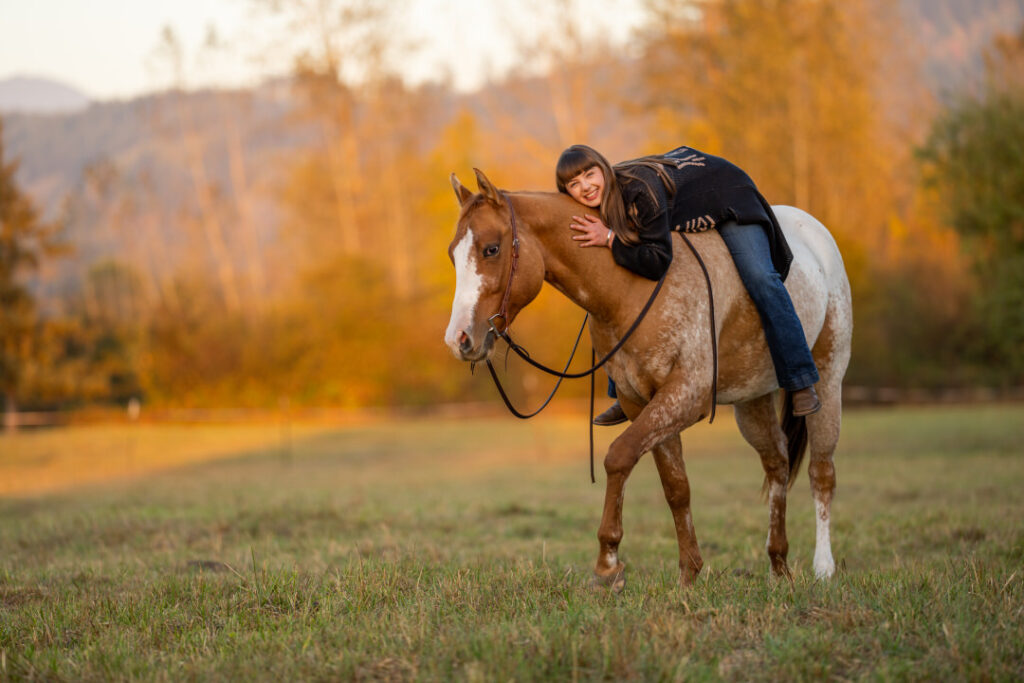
(710, 191)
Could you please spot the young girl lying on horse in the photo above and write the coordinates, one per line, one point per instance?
(640, 202)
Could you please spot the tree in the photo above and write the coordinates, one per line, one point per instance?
(791, 90)
(976, 162)
(822, 103)
(24, 241)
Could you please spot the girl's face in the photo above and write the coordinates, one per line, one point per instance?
(587, 188)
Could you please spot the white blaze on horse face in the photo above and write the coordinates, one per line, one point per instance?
(468, 285)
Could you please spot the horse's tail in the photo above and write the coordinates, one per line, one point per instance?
(796, 436)
(795, 429)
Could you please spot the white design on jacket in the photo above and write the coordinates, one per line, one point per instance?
(699, 224)
(689, 160)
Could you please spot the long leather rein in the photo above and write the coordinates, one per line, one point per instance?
(564, 374)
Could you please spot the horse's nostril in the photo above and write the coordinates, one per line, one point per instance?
(464, 342)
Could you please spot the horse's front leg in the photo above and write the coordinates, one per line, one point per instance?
(668, 455)
(674, 407)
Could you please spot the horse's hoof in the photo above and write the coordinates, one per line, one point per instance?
(615, 580)
(687, 578)
(780, 572)
(824, 570)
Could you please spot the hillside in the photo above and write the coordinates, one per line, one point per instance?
(141, 147)
(85, 166)
(34, 95)
(73, 163)
(954, 34)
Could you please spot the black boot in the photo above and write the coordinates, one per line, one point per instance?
(613, 416)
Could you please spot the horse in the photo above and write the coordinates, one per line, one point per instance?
(663, 371)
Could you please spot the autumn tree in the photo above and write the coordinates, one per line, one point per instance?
(789, 90)
(190, 141)
(822, 103)
(24, 241)
(976, 161)
(335, 74)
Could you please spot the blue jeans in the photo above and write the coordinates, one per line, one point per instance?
(748, 244)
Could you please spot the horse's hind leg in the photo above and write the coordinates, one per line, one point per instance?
(831, 354)
(760, 426)
(668, 455)
(823, 434)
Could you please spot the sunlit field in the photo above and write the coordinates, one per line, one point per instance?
(461, 549)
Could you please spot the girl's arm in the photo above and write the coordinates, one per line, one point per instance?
(652, 256)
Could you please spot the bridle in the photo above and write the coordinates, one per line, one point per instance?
(503, 311)
(564, 374)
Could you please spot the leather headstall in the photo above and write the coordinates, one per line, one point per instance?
(503, 311)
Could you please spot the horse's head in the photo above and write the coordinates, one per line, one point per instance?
(482, 253)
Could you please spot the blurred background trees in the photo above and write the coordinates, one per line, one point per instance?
(976, 157)
(24, 240)
(288, 242)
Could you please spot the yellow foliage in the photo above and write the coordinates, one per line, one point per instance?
(811, 97)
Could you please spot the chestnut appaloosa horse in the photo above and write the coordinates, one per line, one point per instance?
(663, 372)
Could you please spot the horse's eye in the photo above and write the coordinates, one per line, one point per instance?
(490, 250)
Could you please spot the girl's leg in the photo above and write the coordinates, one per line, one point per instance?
(794, 366)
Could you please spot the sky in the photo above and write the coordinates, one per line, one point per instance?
(108, 48)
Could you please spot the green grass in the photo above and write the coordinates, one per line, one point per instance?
(461, 549)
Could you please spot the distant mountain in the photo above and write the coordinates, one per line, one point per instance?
(122, 170)
(135, 148)
(32, 95)
(954, 35)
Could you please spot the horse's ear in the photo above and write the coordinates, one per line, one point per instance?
(462, 192)
(487, 189)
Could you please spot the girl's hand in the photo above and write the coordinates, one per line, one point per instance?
(594, 233)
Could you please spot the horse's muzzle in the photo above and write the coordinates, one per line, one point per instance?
(469, 351)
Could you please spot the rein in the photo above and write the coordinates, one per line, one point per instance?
(564, 374)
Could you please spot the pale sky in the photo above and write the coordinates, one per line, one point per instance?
(107, 48)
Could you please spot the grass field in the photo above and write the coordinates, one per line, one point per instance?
(461, 549)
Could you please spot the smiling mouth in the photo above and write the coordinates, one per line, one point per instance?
(591, 197)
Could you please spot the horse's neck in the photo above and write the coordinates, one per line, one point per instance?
(587, 276)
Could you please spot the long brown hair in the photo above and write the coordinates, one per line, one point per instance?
(616, 215)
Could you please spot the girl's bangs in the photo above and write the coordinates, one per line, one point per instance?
(572, 162)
